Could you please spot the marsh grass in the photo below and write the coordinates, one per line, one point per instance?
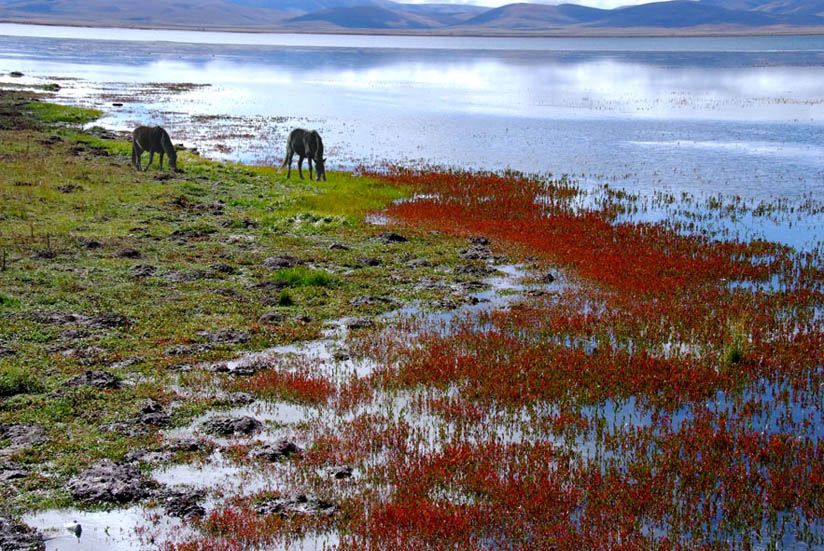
(305, 277)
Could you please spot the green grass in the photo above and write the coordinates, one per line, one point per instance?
(305, 277)
(17, 380)
(53, 113)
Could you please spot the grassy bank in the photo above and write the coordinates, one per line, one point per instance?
(106, 268)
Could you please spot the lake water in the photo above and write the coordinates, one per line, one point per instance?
(742, 116)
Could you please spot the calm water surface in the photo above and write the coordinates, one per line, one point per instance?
(741, 116)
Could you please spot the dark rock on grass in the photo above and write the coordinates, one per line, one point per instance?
(109, 320)
(291, 505)
(51, 140)
(16, 74)
(162, 177)
(22, 435)
(371, 300)
(548, 277)
(186, 349)
(392, 237)
(12, 471)
(192, 233)
(59, 318)
(341, 472)
(229, 426)
(69, 188)
(184, 504)
(109, 482)
(96, 378)
(477, 253)
(419, 263)
(276, 451)
(233, 398)
(271, 318)
(91, 244)
(360, 323)
(143, 270)
(152, 413)
(479, 240)
(226, 336)
(180, 367)
(189, 444)
(6, 351)
(224, 269)
(212, 207)
(46, 254)
(368, 261)
(281, 261)
(128, 253)
(16, 536)
(244, 366)
(74, 334)
(339, 247)
(475, 270)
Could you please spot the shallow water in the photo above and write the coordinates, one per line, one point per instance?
(740, 116)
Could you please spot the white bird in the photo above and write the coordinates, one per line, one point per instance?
(74, 527)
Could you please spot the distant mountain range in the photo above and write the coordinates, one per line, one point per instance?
(385, 16)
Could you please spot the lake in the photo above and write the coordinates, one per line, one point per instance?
(739, 116)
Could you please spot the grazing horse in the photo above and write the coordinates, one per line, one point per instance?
(308, 144)
(154, 140)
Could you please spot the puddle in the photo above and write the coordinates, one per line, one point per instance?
(117, 530)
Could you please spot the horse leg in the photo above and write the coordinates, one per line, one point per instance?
(310, 168)
(300, 166)
(161, 160)
(151, 158)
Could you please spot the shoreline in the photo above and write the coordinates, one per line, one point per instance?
(628, 32)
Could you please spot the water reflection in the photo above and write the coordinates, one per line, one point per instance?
(672, 114)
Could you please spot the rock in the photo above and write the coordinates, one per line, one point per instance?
(479, 240)
(12, 471)
(341, 472)
(271, 285)
(212, 207)
(189, 233)
(371, 300)
(16, 74)
(281, 261)
(128, 253)
(475, 270)
(143, 270)
(392, 237)
(339, 247)
(109, 482)
(59, 318)
(91, 244)
(275, 452)
(224, 269)
(299, 504)
(186, 349)
(179, 367)
(6, 351)
(226, 336)
(271, 318)
(68, 188)
(189, 444)
(96, 378)
(477, 253)
(419, 263)
(22, 435)
(152, 413)
(85, 355)
(360, 323)
(109, 320)
(182, 277)
(46, 254)
(368, 261)
(228, 426)
(16, 536)
(184, 504)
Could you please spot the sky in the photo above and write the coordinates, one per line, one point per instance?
(604, 4)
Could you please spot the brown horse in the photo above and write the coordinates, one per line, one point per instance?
(154, 140)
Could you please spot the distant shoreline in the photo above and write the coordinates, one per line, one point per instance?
(613, 32)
